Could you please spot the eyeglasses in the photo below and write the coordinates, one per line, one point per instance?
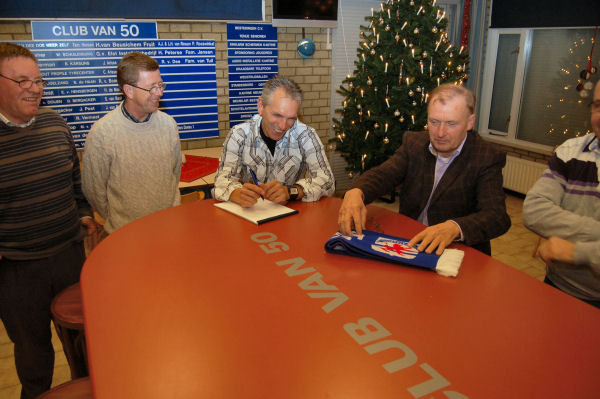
(154, 89)
(436, 123)
(27, 83)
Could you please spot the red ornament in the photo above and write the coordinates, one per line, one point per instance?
(590, 69)
(585, 75)
(466, 24)
(589, 65)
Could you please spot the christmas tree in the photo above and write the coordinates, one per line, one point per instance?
(403, 55)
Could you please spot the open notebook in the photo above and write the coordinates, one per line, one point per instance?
(263, 211)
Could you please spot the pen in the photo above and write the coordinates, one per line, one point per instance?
(255, 181)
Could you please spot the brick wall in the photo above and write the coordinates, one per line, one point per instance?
(313, 74)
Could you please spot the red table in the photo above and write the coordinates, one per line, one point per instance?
(194, 302)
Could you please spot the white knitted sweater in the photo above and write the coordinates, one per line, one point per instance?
(130, 169)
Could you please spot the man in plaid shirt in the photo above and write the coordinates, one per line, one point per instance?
(285, 155)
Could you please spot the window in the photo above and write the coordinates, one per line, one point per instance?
(453, 14)
(533, 95)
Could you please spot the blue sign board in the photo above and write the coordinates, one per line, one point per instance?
(252, 60)
(82, 82)
(78, 30)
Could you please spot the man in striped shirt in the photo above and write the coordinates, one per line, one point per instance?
(43, 215)
(564, 206)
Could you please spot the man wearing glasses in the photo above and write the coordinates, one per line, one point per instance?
(564, 206)
(132, 158)
(43, 215)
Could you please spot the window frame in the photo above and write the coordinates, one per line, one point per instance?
(525, 43)
(510, 137)
(454, 34)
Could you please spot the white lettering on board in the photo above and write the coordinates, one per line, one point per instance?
(367, 332)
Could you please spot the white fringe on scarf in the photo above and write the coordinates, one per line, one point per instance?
(449, 262)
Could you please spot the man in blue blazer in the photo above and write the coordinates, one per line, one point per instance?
(450, 178)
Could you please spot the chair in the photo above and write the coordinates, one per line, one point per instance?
(67, 313)
(191, 197)
(80, 388)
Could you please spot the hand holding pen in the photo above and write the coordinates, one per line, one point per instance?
(256, 182)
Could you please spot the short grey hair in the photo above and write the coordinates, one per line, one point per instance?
(12, 50)
(448, 91)
(279, 82)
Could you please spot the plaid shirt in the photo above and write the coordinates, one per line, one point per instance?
(299, 159)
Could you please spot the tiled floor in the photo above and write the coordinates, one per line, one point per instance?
(514, 248)
(10, 388)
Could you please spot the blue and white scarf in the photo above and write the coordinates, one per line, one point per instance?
(378, 246)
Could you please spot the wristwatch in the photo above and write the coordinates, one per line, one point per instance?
(294, 192)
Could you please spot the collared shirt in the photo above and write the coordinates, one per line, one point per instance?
(593, 145)
(12, 124)
(131, 117)
(299, 158)
(441, 165)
